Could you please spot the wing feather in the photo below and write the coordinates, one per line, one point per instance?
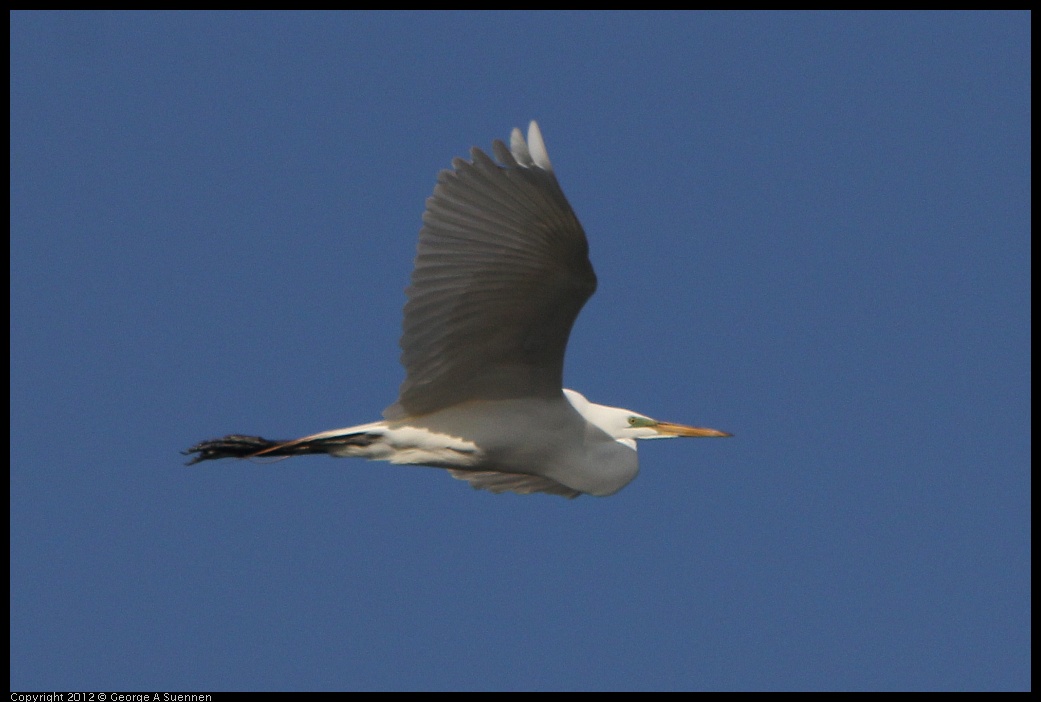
(512, 482)
(502, 271)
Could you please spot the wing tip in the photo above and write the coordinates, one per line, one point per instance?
(530, 153)
(537, 147)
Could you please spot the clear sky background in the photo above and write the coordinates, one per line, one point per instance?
(811, 230)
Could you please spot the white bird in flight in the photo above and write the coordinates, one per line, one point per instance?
(501, 273)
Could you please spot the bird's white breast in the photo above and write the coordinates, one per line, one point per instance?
(536, 436)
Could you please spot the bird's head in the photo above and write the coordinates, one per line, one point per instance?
(626, 426)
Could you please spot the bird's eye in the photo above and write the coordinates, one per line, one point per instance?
(633, 421)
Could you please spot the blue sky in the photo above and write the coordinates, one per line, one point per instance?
(811, 230)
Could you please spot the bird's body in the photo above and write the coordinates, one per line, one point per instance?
(501, 273)
(571, 456)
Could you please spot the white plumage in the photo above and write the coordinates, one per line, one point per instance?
(501, 273)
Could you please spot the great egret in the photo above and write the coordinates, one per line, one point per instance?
(501, 273)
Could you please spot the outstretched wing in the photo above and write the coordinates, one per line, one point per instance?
(501, 273)
(512, 482)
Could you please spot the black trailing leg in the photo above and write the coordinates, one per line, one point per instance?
(239, 446)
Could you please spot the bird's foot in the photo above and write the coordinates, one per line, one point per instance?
(231, 446)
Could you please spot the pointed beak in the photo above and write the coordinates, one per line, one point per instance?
(670, 429)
